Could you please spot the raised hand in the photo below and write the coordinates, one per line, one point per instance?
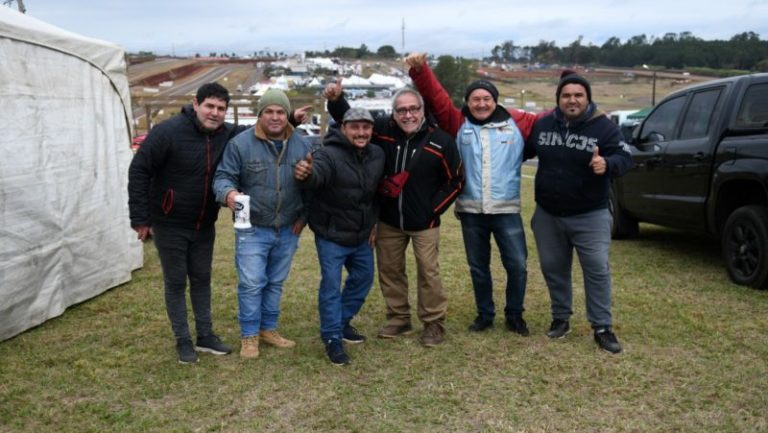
(416, 60)
(332, 91)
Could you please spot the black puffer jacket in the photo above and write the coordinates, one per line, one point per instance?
(169, 180)
(435, 178)
(343, 208)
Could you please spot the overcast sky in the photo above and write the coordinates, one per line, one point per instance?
(468, 28)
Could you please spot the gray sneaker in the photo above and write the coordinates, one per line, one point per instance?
(186, 351)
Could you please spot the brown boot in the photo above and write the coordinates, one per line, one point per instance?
(249, 347)
(274, 339)
(433, 334)
(393, 330)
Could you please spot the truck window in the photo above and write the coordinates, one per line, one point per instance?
(661, 123)
(753, 112)
(699, 115)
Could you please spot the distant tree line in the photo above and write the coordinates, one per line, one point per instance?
(745, 51)
(384, 52)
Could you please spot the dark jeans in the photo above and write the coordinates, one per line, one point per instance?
(507, 230)
(186, 253)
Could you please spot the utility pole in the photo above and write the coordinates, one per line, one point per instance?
(403, 37)
(403, 46)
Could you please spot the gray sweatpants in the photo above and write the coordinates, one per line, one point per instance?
(590, 235)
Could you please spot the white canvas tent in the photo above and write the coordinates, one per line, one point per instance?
(64, 231)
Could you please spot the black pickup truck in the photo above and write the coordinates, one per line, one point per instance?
(701, 164)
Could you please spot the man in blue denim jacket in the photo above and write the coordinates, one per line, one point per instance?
(259, 163)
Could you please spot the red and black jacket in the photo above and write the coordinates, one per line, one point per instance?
(169, 179)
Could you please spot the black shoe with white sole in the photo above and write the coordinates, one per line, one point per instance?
(559, 329)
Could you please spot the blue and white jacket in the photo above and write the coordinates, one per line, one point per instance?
(492, 154)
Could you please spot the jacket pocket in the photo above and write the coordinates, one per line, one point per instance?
(255, 173)
(167, 203)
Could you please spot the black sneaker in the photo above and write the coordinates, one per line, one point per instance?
(607, 340)
(480, 324)
(559, 329)
(212, 344)
(335, 351)
(186, 351)
(517, 325)
(351, 336)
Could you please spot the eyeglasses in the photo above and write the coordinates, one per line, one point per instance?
(402, 111)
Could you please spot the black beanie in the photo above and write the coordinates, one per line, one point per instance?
(569, 76)
(485, 85)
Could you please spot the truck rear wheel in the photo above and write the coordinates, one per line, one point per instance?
(624, 226)
(745, 246)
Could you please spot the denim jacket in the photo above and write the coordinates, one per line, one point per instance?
(492, 155)
(252, 165)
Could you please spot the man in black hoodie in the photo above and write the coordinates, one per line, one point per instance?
(343, 175)
(170, 198)
(580, 150)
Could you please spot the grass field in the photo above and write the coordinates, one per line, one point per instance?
(695, 357)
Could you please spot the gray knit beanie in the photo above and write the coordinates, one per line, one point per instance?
(273, 97)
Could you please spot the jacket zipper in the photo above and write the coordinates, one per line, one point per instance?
(402, 193)
(206, 185)
(277, 180)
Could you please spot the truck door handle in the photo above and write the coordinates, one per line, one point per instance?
(699, 156)
(653, 160)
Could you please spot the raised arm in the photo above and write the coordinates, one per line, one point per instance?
(337, 104)
(448, 117)
(525, 120)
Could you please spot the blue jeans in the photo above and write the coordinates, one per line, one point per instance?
(338, 307)
(507, 230)
(263, 259)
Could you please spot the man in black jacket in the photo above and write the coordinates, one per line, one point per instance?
(343, 174)
(170, 198)
(435, 178)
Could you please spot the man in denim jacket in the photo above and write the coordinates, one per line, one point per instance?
(259, 163)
